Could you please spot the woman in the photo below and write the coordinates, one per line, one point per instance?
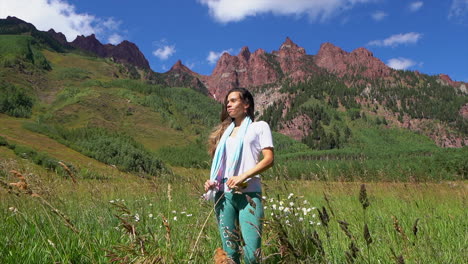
(235, 146)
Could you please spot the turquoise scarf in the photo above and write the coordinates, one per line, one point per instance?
(218, 164)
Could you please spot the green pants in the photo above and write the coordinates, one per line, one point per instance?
(240, 214)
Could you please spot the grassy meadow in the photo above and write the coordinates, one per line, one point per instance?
(129, 219)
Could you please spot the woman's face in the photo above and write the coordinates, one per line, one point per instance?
(236, 107)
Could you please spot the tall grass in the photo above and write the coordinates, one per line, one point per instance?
(133, 220)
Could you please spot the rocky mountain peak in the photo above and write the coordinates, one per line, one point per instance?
(244, 53)
(125, 52)
(179, 67)
(362, 52)
(289, 47)
(359, 62)
(59, 36)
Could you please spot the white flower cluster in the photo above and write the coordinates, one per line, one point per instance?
(174, 217)
(291, 209)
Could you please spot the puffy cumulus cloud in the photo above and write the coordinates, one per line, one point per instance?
(398, 39)
(400, 63)
(415, 6)
(379, 15)
(458, 10)
(225, 11)
(59, 15)
(164, 52)
(213, 56)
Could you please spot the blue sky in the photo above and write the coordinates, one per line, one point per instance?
(428, 36)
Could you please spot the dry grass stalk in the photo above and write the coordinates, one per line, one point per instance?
(398, 259)
(344, 227)
(168, 229)
(318, 243)
(221, 257)
(367, 235)
(363, 197)
(323, 215)
(251, 202)
(23, 186)
(415, 227)
(398, 228)
(285, 247)
(351, 254)
(69, 172)
(169, 192)
(325, 196)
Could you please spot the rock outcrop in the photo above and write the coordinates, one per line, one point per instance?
(358, 62)
(181, 76)
(125, 52)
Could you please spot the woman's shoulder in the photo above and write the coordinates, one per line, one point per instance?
(260, 125)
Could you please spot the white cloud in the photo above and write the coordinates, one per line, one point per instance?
(59, 15)
(115, 39)
(415, 6)
(400, 63)
(458, 9)
(379, 15)
(225, 11)
(397, 39)
(163, 53)
(213, 56)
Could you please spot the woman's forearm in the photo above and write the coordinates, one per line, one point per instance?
(266, 163)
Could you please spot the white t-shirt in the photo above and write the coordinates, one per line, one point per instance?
(257, 137)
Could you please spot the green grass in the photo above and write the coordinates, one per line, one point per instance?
(37, 234)
(15, 49)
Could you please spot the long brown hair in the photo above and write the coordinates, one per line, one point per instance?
(226, 120)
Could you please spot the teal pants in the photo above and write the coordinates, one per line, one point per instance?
(240, 218)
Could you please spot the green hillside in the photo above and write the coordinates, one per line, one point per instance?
(98, 109)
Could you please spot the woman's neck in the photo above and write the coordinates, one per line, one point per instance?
(238, 121)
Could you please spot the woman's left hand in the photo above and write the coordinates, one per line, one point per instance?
(236, 182)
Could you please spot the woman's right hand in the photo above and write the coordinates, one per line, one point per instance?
(209, 184)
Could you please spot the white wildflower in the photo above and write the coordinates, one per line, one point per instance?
(290, 195)
(281, 202)
(137, 217)
(286, 210)
(305, 202)
(174, 212)
(111, 201)
(314, 215)
(273, 206)
(318, 224)
(291, 204)
(13, 209)
(264, 197)
(50, 242)
(301, 219)
(311, 222)
(150, 204)
(150, 215)
(189, 215)
(175, 218)
(281, 208)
